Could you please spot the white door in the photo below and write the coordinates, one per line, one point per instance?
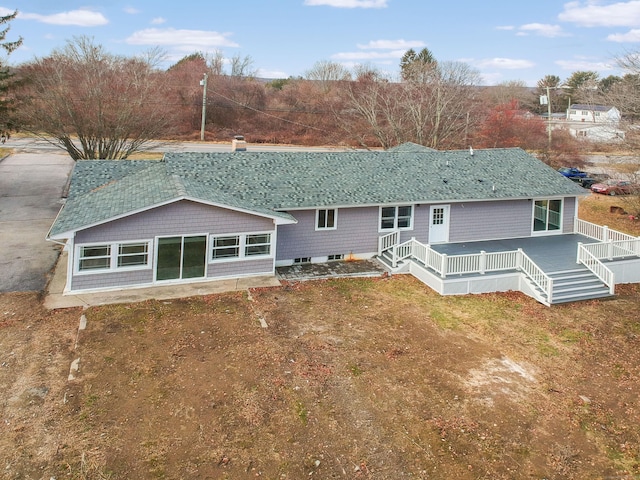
(439, 224)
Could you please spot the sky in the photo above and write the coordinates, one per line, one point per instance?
(505, 40)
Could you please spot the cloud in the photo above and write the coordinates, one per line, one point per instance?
(591, 14)
(542, 29)
(505, 63)
(131, 10)
(506, 27)
(348, 3)
(184, 40)
(82, 17)
(584, 64)
(158, 21)
(392, 44)
(630, 36)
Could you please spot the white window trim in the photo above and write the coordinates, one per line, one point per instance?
(560, 214)
(113, 257)
(242, 244)
(335, 219)
(395, 220)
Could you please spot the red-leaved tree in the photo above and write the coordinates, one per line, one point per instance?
(506, 125)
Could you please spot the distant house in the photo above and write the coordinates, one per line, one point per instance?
(593, 114)
(195, 217)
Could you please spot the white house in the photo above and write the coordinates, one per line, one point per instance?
(593, 114)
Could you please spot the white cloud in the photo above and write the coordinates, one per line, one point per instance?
(131, 10)
(590, 13)
(506, 27)
(630, 36)
(584, 64)
(158, 21)
(505, 63)
(262, 73)
(542, 29)
(348, 3)
(83, 18)
(184, 40)
(392, 44)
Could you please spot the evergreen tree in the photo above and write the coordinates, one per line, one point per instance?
(6, 77)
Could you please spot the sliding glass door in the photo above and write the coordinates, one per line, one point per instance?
(547, 215)
(181, 257)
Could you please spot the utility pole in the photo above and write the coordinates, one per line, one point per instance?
(203, 82)
(548, 113)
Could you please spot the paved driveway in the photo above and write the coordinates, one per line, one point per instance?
(30, 190)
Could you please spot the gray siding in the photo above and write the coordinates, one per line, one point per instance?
(263, 266)
(112, 279)
(568, 214)
(179, 218)
(357, 232)
(490, 220)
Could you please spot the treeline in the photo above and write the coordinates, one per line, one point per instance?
(98, 105)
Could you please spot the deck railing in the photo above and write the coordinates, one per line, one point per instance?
(388, 241)
(481, 263)
(590, 261)
(598, 232)
(535, 274)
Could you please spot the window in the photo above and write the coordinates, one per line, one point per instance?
(302, 260)
(133, 254)
(258, 245)
(326, 219)
(226, 247)
(112, 256)
(399, 217)
(335, 257)
(238, 247)
(96, 257)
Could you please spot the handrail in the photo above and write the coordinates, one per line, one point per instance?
(535, 273)
(387, 241)
(598, 268)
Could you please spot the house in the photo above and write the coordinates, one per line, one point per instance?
(195, 217)
(593, 114)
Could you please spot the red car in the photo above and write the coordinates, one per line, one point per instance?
(615, 187)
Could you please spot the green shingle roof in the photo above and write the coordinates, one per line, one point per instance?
(272, 183)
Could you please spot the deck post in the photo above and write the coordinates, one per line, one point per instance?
(483, 262)
(443, 266)
(610, 249)
(519, 260)
(578, 254)
(605, 234)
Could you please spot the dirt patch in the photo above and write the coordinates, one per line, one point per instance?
(351, 378)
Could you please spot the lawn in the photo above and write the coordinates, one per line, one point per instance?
(350, 378)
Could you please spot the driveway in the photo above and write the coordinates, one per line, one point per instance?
(30, 191)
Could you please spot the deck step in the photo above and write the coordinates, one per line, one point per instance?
(577, 285)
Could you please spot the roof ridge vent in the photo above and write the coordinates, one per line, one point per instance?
(179, 184)
(471, 151)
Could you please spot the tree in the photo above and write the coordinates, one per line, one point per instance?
(417, 67)
(582, 86)
(507, 125)
(436, 113)
(7, 81)
(550, 86)
(94, 104)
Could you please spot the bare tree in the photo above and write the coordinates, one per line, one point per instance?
(93, 104)
(434, 108)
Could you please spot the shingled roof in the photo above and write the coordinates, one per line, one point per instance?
(274, 183)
